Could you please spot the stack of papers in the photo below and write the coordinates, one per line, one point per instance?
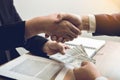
(73, 56)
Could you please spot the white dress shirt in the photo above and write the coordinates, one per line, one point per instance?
(92, 24)
(101, 78)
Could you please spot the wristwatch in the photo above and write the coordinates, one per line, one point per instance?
(101, 78)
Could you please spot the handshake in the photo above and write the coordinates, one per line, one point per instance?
(63, 27)
(60, 27)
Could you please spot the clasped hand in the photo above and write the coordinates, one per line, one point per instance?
(64, 27)
(60, 27)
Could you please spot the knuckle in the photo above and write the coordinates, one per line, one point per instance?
(66, 23)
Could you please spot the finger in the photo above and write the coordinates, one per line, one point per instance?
(68, 29)
(75, 30)
(84, 63)
(70, 37)
(67, 38)
(52, 52)
(54, 38)
(71, 34)
(61, 48)
(60, 39)
(46, 35)
(66, 46)
(59, 18)
(73, 18)
(63, 41)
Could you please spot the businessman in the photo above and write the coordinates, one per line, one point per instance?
(99, 24)
(17, 33)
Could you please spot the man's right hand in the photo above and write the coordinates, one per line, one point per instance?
(54, 25)
(87, 71)
(72, 19)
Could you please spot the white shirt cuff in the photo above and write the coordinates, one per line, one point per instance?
(92, 23)
(101, 78)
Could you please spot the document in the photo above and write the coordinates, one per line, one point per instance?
(29, 67)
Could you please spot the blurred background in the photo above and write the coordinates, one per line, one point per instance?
(32, 8)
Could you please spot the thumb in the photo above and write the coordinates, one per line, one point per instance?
(73, 18)
(84, 63)
(62, 51)
(46, 35)
(59, 18)
(61, 48)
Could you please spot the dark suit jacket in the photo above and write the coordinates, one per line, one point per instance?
(108, 24)
(12, 30)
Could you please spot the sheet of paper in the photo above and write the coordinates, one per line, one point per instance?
(29, 67)
(90, 45)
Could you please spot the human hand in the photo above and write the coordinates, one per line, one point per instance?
(52, 47)
(87, 71)
(72, 18)
(53, 26)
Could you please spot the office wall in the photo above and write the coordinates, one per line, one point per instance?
(116, 2)
(31, 8)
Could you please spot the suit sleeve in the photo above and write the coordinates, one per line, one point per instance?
(107, 24)
(35, 46)
(12, 35)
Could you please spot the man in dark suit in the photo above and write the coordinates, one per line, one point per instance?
(17, 33)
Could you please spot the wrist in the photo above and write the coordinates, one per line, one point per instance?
(45, 47)
(85, 23)
(35, 26)
(28, 30)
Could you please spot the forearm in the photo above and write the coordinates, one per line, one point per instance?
(32, 27)
(108, 24)
(35, 45)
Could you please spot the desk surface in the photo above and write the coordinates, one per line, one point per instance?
(108, 60)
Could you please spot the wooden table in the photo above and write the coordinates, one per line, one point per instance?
(107, 61)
